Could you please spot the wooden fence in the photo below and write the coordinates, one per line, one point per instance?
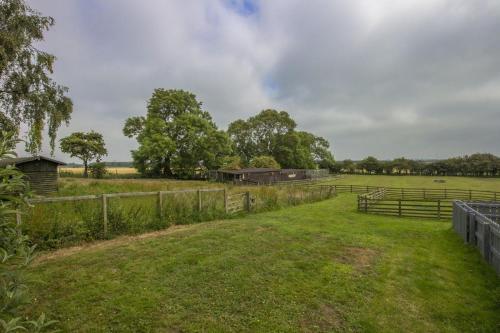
(478, 224)
(229, 205)
(414, 202)
(60, 221)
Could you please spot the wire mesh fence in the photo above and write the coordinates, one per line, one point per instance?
(478, 225)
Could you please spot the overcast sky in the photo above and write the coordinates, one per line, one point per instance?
(388, 78)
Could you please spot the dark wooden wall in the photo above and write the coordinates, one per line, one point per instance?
(42, 176)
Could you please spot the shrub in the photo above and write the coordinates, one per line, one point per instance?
(98, 170)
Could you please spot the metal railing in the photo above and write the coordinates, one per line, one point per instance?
(478, 224)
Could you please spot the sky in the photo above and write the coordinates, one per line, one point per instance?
(387, 78)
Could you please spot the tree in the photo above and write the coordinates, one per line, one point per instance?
(231, 163)
(176, 137)
(273, 133)
(264, 161)
(27, 93)
(85, 146)
(15, 252)
(371, 165)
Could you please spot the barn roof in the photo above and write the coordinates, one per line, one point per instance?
(23, 160)
(249, 170)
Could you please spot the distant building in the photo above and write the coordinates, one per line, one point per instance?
(260, 176)
(41, 172)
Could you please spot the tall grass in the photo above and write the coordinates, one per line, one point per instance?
(55, 225)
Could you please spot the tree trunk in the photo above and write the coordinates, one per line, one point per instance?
(85, 169)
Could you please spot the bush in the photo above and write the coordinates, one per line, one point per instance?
(98, 170)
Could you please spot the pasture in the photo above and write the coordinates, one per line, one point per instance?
(317, 267)
(466, 183)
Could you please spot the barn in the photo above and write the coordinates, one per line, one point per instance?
(40, 171)
(249, 175)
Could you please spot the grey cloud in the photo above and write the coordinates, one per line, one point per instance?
(385, 78)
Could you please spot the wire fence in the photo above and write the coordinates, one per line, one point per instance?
(478, 223)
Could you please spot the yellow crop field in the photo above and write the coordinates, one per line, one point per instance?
(114, 171)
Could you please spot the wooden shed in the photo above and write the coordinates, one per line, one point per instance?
(249, 175)
(40, 171)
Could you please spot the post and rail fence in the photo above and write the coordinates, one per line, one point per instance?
(414, 202)
(109, 212)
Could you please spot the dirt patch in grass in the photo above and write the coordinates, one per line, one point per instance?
(361, 258)
(324, 319)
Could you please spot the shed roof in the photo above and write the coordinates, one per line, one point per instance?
(249, 170)
(23, 160)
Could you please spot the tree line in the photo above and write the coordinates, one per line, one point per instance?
(477, 165)
(177, 138)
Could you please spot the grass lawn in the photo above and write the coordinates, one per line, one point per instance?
(474, 183)
(318, 267)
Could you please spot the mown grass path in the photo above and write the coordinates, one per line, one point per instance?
(313, 268)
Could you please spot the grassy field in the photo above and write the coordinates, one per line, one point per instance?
(318, 267)
(487, 184)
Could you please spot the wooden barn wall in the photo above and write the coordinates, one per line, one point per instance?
(42, 176)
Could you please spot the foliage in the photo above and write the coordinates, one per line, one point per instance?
(15, 253)
(176, 138)
(27, 93)
(231, 163)
(98, 170)
(85, 146)
(321, 267)
(370, 164)
(273, 133)
(264, 162)
(468, 165)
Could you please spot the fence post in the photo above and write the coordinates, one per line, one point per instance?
(105, 214)
(199, 200)
(18, 218)
(399, 207)
(160, 204)
(351, 188)
(366, 204)
(439, 209)
(486, 242)
(248, 201)
(470, 194)
(225, 200)
(472, 228)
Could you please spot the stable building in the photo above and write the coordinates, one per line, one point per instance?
(41, 172)
(257, 176)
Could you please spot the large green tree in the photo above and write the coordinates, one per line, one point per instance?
(176, 137)
(273, 133)
(85, 146)
(27, 93)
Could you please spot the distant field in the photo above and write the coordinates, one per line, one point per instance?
(321, 267)
(111, 170)
(487, 184)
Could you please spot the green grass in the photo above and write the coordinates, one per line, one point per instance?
(487, 184)
(318, 267)
(81, 186)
